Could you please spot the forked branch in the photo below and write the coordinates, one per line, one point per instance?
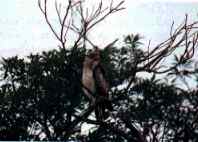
(183, 41)
(74, 19)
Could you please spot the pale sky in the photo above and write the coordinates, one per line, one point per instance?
(23, 29)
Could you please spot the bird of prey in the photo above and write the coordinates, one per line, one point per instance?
(95, 86)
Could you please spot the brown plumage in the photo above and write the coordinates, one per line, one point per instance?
(95, 85)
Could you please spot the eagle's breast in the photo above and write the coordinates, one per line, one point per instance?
(88, 81)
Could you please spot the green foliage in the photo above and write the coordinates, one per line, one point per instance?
(42, 94)
(39, 89)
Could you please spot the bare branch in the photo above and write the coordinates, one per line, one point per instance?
(100, 12)
(63, 23)
(58, 11)
(169, 46)
(78, 20)
(182, 41)
(44, 11)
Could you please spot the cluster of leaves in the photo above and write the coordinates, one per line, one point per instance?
(40, 90)
(42, 94)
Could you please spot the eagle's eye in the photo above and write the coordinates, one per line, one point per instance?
(89, 52)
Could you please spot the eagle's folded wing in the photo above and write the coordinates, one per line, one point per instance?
(102, 85)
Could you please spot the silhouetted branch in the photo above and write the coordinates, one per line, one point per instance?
(111, 127)
(182, 36)
(45, 13)
(182, 41)
(79, 25)
(136, 133)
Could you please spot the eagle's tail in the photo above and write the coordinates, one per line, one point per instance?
(102, 110)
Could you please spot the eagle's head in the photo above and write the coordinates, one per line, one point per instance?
(92, 59)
